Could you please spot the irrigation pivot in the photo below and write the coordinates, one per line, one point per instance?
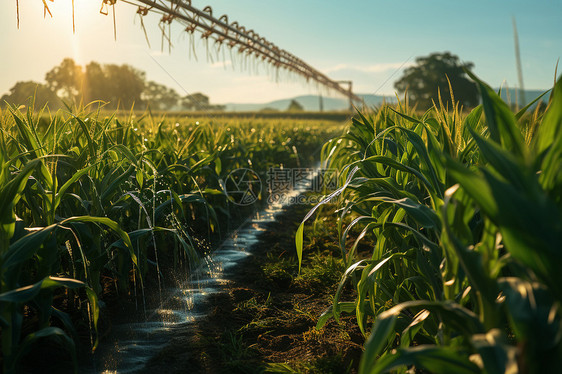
(234, 35)
(223, 33)
(231, 34)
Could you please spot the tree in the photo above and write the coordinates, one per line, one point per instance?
(115, 84)
(159, 96)
(295, 106)
(428, 76)
(118, 85)
(95, 83)
(125, 85)
(196, 101)
(65, 80)
(22, 92)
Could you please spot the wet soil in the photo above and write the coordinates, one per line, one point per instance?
(265, 319)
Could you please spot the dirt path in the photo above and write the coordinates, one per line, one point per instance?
(265, 319)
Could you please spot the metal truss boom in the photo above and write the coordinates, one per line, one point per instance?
(233, 35)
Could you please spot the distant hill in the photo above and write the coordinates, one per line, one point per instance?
(511, 96)
(312, 102)
(309, 102)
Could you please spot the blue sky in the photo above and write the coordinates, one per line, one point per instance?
(366, 41)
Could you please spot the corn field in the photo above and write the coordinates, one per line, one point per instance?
(94, 204)
(465, 213)
(462, 213)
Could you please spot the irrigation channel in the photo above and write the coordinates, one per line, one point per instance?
(180, 307)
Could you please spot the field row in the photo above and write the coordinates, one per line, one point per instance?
(94, 206)
(466, 215)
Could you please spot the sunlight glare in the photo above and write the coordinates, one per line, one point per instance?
(67, 14)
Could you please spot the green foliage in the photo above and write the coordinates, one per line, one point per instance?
(466, 218)
(432, 78)
(159, 97)
(65, 79)
(117, 86)
(21, 93)
(279, 271)
(235, 353)
(322, 273)
(198, 102)
(322, 365)
(86, 197)
(123, 86)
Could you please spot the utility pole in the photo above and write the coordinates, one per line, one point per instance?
(521, 102)
(321, 102)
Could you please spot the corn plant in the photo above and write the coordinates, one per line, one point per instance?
(91, 201)
(466, 217)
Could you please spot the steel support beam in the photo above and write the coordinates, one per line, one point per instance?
(233, 35)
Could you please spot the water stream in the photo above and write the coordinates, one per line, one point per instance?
(184, 305)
